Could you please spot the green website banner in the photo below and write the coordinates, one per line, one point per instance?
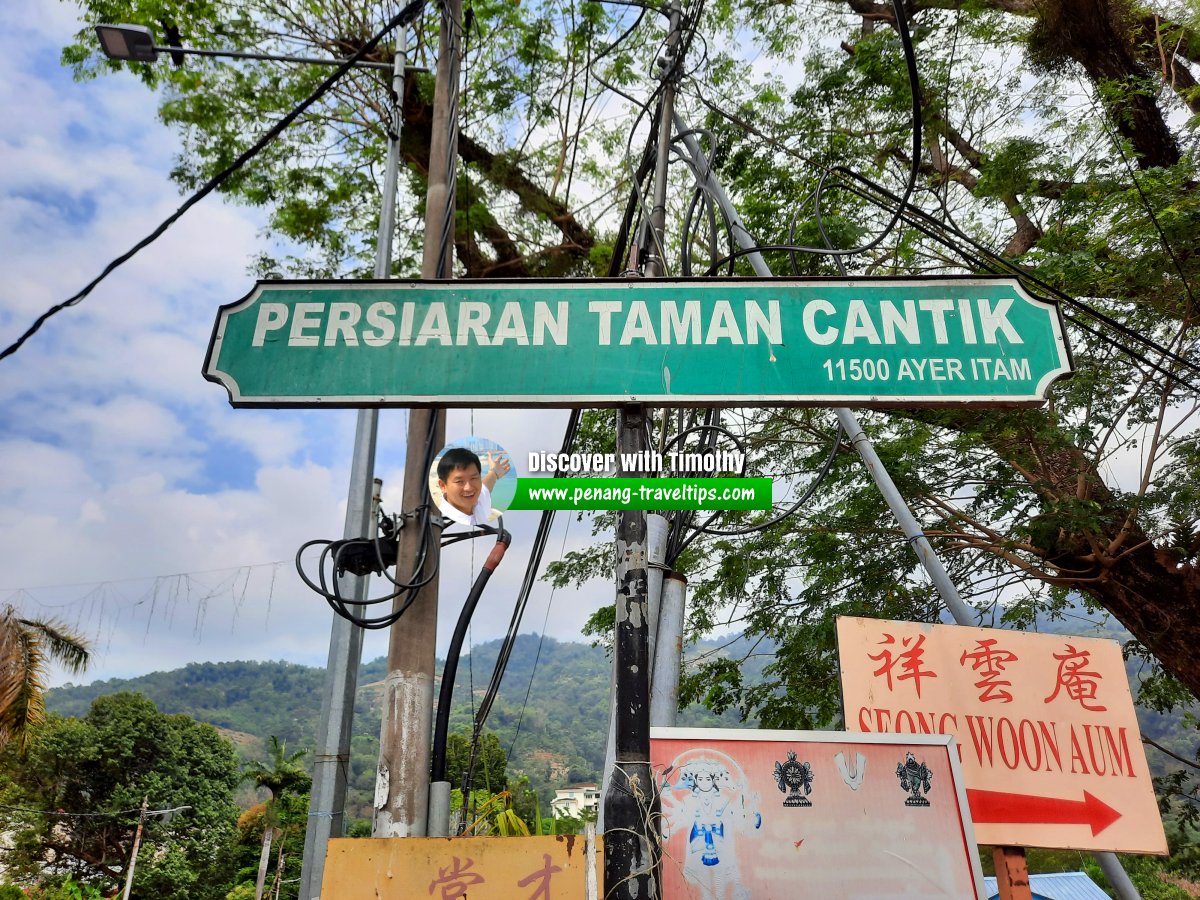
(709, 494)
(580, 343)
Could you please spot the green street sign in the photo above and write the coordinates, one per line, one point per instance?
(738, 342)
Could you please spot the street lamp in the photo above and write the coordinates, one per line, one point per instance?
(135, 43)
(131, 42)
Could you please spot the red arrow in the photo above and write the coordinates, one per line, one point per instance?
(997, 806)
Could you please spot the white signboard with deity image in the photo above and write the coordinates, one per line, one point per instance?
(823, 814)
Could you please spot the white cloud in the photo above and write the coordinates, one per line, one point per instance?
(118, 461)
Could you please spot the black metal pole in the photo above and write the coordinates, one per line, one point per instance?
(631, 805)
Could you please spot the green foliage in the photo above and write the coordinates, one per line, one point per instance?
(1146, 873)
(360, 828)
(530, 117)
(1149, 874)
(564, 825)
(284, 774)
(509, 824)
(67, 889)
(27, 646)
(287, 817)
(1087, 183)
(103, 765)
(491, 762)
(562, 732)
(249, 698)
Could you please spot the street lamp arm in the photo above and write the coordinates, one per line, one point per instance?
(273, 57)
(135, 43)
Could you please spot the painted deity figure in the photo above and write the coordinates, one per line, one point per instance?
(708, 804)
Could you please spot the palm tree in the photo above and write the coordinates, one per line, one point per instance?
(26, 646)
(282, 775)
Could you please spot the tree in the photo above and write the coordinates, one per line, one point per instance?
(320, 181)
(1023, 504)
(1027, 505)
(286, 818)
(1059, 147)
(89, 775)
(27, 646)
(283, 775)
(491, 762)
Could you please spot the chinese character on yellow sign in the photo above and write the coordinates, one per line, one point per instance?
(1050, 745)
(508, 868)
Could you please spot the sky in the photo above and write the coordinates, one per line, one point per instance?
(136, 505)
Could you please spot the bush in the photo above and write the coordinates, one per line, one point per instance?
(65, 890)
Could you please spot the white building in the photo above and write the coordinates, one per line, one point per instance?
(576, 801)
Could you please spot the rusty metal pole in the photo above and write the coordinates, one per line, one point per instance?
(1012, 874)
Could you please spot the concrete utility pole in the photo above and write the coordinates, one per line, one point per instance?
(669, 64)
(327, 803)
(137, 840)
(402, 785)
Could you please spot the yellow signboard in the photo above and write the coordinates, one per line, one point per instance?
(1051, 750)
(553, 867)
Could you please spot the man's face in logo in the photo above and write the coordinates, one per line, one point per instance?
(462, 488)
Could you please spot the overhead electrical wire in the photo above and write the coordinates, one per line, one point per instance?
(406, 15)
(504, 653)
(454, 32)
(1008, 266)
(405, 590)
(909, 210)
(547, 518)
(537, 657)
(546, 521)
(983, 264)
(901, 209)
(910, 61)
(809, 493)
(642, 170)
(1153, 218)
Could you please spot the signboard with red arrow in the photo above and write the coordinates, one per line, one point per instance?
(1050, 746)
(1021, 809)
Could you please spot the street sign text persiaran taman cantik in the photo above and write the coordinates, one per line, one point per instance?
(881, 342)
(1050, 745)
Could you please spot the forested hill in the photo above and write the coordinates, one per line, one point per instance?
(562, 728)
(556, 725)
(283, 699)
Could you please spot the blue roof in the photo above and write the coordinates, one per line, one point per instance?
(1059, 886)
